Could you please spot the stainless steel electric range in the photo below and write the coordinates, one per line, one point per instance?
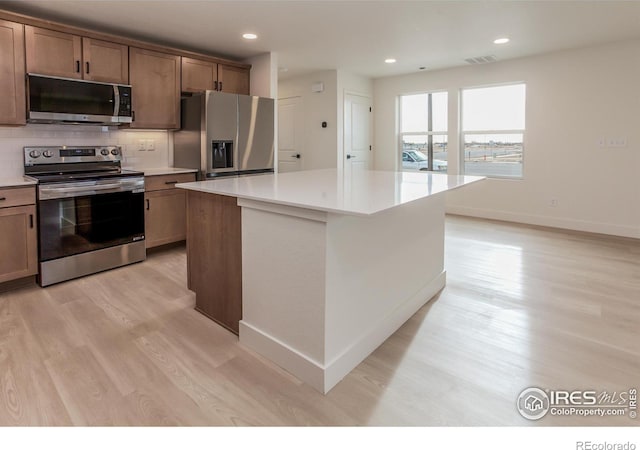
(90, 210)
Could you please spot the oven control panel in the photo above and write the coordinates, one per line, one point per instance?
(34, 156)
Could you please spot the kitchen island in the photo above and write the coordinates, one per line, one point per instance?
(331, 265)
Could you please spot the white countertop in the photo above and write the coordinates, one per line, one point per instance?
(163, 170)
(363, 193)
(16, 181)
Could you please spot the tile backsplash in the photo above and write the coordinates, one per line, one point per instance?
(142, 149)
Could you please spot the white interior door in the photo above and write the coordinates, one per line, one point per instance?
(290, 134)
(357, 132)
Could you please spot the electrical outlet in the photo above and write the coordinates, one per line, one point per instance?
(141, 145)
(151, 145)
(553, 202)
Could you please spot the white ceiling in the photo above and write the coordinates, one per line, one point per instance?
(355, 36)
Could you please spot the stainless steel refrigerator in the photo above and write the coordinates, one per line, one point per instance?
(225, 134)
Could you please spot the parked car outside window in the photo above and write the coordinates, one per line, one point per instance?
(413, 159)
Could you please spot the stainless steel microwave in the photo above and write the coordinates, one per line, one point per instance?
(66, 100)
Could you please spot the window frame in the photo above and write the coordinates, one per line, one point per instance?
(430, 143)
(463, 133)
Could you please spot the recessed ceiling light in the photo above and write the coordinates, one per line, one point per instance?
(389, 60)
(250, 36)
(502, 40)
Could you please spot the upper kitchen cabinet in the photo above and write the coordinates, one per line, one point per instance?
(233, 79)
(66, 55)
(105, 61)
(155, 89)
(199, 75)
(53, 53)
(12, 105)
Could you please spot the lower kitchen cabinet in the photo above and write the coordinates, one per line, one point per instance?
(18, 234)
(165, 209)
(214, 257)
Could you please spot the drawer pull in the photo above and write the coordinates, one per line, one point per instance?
(170, 182)
(3, 198)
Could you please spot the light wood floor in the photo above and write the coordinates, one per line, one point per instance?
(522, 307)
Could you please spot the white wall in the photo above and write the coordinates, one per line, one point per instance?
(320, 144)
(323, 147)
(349, 83)
(264, 75)
(13, 139)
(574, 99)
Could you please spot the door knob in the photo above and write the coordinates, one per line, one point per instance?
(297, 155)
(351, 156)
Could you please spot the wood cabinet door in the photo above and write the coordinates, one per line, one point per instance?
(18, 242)
(53, 53)
(233, 79)
(198, 75)
(165, 217)
(155, 81)
(12, 65)
(105, 61)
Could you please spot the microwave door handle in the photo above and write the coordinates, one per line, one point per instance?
(116, 99)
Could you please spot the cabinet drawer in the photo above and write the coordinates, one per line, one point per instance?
(17, 197)
(160, 182)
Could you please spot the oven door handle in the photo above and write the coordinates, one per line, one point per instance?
(97, 187)
(47, 193)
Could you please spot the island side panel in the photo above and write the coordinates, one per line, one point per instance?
(284, 287)
(380, 270)
(214, 256)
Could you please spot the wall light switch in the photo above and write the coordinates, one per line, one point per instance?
(151, 145)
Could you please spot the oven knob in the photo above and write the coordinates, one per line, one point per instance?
(34, 153)
(104, 151)
(47, 153)
(115, 151)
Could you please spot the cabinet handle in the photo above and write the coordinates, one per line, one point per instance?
(170, 182)
(215, 85)
(2, 198)
(87, 64)
(133, 116)
(148, 205)
(78, 66)
(220, 84)
(30, 220)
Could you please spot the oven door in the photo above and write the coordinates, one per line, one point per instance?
(85, 216)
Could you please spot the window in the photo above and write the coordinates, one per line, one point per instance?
(423, 131)
(493, 130)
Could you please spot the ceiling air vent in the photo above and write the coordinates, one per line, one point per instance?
(481, 59)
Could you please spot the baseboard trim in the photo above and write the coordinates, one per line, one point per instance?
(546, 221)
(306, 369)
(324, 377)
